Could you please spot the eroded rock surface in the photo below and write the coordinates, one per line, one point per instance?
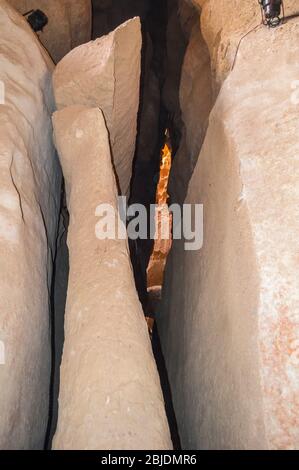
(230, 332)
(224, 24)
(69, 23)
(110, 396)
(107, 75)
(195, 94)
(29, 206)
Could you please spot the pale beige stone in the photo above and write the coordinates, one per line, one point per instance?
(230, 331)
(105, 73)
(224, 24)
(110, 395)
(69, 23)
(29, 206)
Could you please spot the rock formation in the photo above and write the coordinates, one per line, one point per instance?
(143, 187)
(230, 332)
(175, 46)
(226, 89)
(110, 396)
(69, 23)
(195, 102)
(29, 207)
(107, 73)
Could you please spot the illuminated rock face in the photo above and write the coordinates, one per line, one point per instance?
(163, 224)
(110, 396)
(29, 206)
(69, 23)
(229, 323)
(107, 73)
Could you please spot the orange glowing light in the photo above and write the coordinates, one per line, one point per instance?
(165, 167)
(155, 271)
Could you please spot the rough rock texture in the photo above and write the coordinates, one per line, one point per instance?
(107, 15)
(195, 95)
(195, 92)
(69, 23)
(107, 75)
(224, 25)
(110, 396)
(29, 181)
(151, 125)
(230, 332)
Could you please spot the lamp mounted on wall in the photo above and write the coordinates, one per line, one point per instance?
(272, 12)
(37, 19)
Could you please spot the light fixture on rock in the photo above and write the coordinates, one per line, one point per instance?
(272, 12)
(37, 19)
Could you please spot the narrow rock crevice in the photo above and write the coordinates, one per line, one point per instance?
(121, 344)
(159, 109)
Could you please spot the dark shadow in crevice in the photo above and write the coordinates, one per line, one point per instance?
(157, 350)
(58, 303)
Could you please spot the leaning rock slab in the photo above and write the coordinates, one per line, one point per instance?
(105, 73)
(69, 23)
(110, 396)
(29, 205)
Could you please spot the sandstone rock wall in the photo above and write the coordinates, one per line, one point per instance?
(146, 161)
(195, 103)
(29, 206)
(107, 73)
(69, 23)
(230, 332)
(223, 25)
(110, 396)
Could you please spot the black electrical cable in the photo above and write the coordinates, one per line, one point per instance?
(28, 13)
(239, 44)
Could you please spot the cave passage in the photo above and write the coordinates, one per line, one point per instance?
(148, 226)
(157, 140)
